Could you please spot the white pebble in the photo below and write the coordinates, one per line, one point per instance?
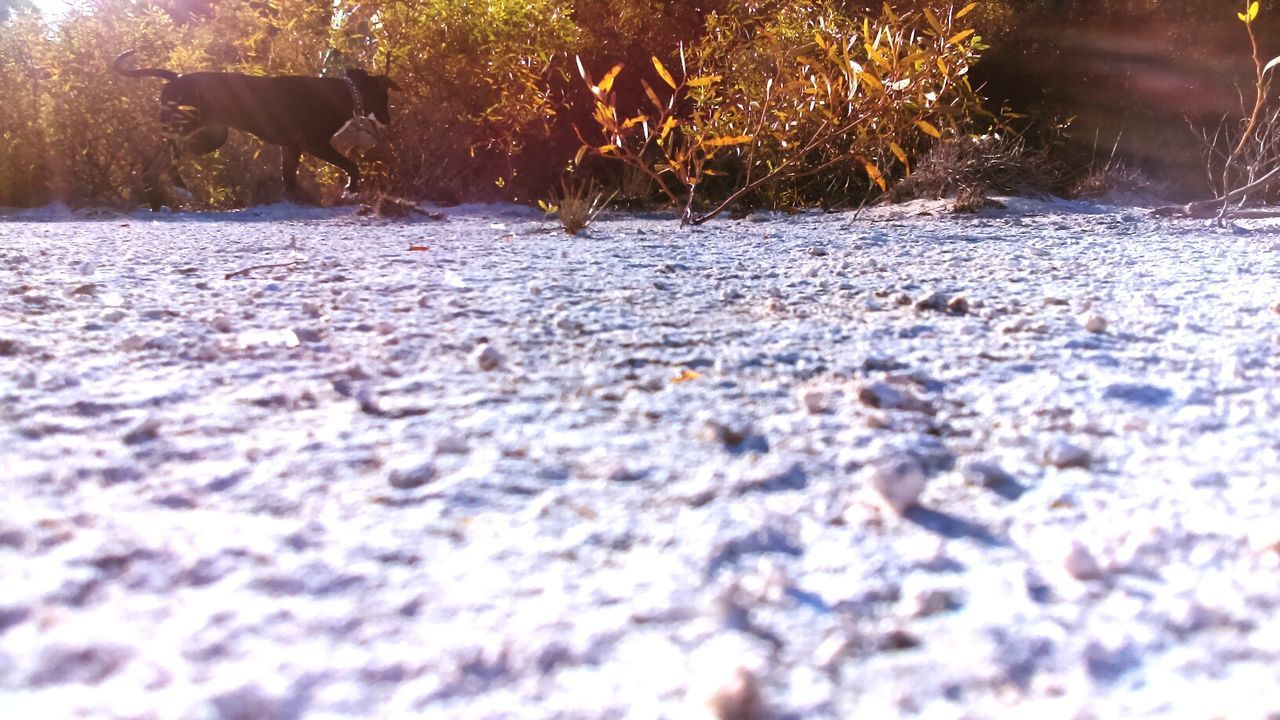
(1063, 454)
(1080, 563)
(814, 401)
(1094, 323)
(896, 482)
(410, 474)
(486, 357)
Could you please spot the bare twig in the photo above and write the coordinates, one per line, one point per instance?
(246, 271)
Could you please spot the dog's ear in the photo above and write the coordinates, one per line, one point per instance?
(391, 84)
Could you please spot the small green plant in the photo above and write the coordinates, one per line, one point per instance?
(577, 205)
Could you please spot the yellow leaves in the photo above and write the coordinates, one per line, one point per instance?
(955, 39)
(726, 141)
(966, 10)
(1249, 15)
(876, 176)
(667, 127)
(933, 22)
(662, 73)
(928, 129)
(898, 152)
(704, 81)
(653, 96)
(606, 83)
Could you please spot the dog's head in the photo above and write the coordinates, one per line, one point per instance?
(373, 92)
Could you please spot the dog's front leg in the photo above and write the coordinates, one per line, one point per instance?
(333, 157)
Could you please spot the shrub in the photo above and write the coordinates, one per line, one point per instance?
(807, 103)
(23, 146)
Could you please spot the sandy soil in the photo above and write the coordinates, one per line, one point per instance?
(899, 465)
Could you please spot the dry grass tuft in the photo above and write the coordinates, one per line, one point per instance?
(974, 165)
(1112, 178)
(577, 206)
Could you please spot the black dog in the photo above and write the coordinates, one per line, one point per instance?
(298, 113)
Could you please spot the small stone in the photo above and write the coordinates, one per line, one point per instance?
(452, 445)
(1094, 323)
(249, 702)
(896, 482)
(830, 652)
(774, 305)
(570, 325)
(221, 323)
(1080, 563)
(486, 357)
(9, 347)
(309, 334)
(921, 596)
(726, 434)
(818, 251)
(814, 401)
(882, 395)
(411, 474)
(987, 474)
(87, 290)
(932, 301)
(134, 342)
(1063, 454)
(737, 697)
(145, 431)
(958, 305)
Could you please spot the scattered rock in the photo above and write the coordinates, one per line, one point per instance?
(1080, 563)
(958, 305)
(987, 474)
(408, 474)
(935, 300)
(737, 697)
(145, 431)
(1061, 453)
(882, 395)
(815, 401)
(78, 663)
(251, 702)
(895, 482)
(486, 357)
(921, 596)
(1093, 322)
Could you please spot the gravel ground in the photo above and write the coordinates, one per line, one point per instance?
(1021, 464)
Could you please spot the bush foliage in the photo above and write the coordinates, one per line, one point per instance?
(778, 103)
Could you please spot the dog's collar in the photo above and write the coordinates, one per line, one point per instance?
(357, 103)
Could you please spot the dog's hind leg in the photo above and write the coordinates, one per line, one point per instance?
(289, 158)
(333, 157)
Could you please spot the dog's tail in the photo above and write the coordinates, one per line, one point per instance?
(120, 69)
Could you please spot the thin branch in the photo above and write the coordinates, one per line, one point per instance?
(246, 271)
